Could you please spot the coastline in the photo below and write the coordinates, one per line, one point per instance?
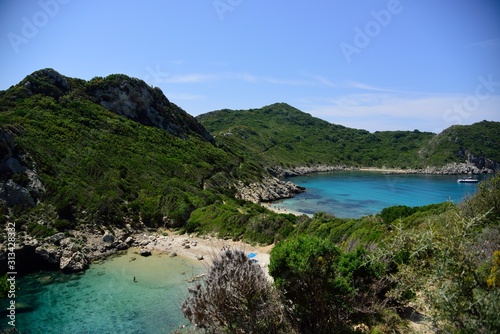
(202, 249)
(453, 168)
(383, 170)
(275, 207)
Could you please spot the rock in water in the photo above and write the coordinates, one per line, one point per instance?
(145, 252)
(121, 246)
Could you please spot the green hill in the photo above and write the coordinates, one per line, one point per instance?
(478, 143)
(114, 150)
(279, 134)
(108, 151)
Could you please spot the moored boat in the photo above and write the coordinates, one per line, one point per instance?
(468, 180)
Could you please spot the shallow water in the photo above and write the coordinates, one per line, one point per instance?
(105, 299)
(355, 194)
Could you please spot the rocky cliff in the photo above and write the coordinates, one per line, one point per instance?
(19, 182)
(134, 99)
(270, 189)
(121, 94)
(479, 162)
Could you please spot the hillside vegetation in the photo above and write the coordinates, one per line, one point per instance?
(480, 139)
(280, 135)
(114, 150)
(141, 160)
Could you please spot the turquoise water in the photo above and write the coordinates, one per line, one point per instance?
(105, 299)
(357, 194)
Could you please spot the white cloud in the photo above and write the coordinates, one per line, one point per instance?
(164, 77)
(186, 78)
(396, 112)
(490, 43)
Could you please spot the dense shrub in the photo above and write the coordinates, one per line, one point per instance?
(235, 297)
(241, 220)
(448, 261)
(330, 291)
(486, 201)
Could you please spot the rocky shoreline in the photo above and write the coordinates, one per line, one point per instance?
(449, 169)
(274, 188)
(75, 250)
(270, 189)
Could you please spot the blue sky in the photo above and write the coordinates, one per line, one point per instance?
(375, 65)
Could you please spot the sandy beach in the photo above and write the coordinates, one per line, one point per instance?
(276, 207)
(202, 249)
(383, 170)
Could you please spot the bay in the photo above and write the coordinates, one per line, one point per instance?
(105, 299)
(353, 194)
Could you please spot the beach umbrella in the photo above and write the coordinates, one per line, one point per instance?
(252, 255)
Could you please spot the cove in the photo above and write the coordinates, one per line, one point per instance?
(105, 299)
(354, 194)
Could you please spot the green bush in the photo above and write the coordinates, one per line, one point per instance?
(62, 225)
(330, 290)
(39, 230)
(442, 261)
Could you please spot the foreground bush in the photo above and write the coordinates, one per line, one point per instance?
(235, 297)
(450, 264)
(330, 291)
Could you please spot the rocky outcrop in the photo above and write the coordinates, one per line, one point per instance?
(455, 169)
(73, 262)
(475, 166)
(450, 169)
(108, 237)
(49, 254)
(136, 100)
(19, 182)
(71, 251)
(269, 189)
(47, 82)
(480, 162)
(55, 238)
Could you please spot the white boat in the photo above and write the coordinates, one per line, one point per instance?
(468, 180)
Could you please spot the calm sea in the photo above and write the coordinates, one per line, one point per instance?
(354, 194)
(105, 299)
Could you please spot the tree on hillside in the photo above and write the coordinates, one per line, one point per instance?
(235, 297)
